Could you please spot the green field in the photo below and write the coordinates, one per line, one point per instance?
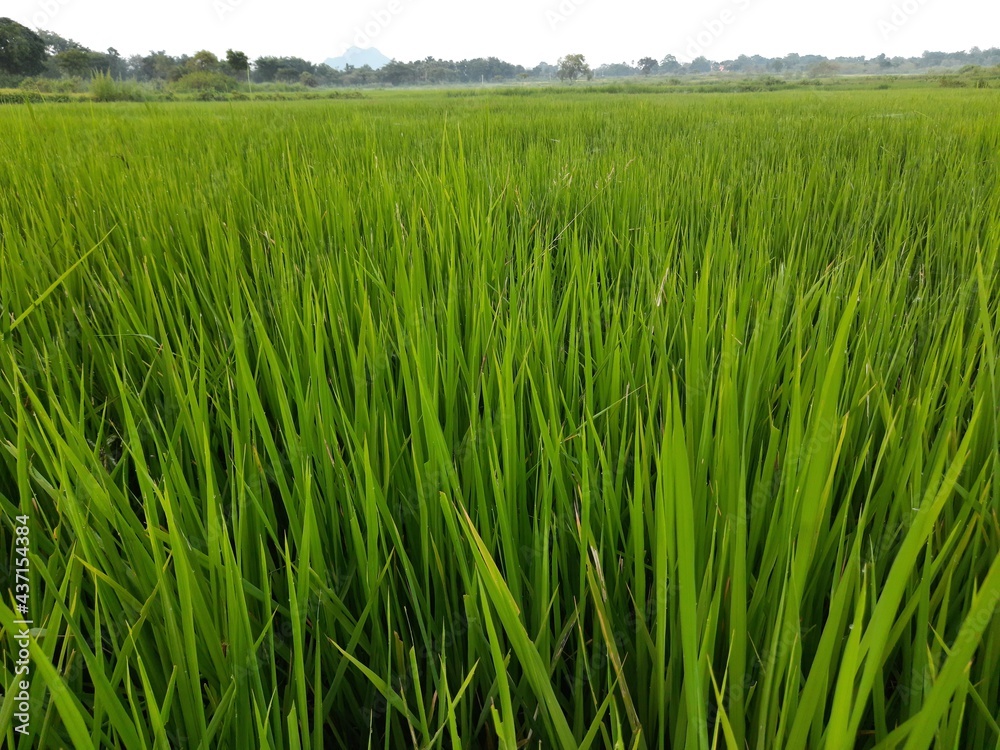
(495, 421)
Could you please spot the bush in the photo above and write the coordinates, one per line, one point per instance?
(104, 88)
(20, 97)
(952, 82)
(53, 85)
(204, 81)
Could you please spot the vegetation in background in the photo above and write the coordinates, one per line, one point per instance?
(105, 89)
(573, 67)
(26, 53)
(213, 86)
(575, 421)
(22, 51)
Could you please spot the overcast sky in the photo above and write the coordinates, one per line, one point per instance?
(520, 31)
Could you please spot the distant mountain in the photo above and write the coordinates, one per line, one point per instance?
(359, 57)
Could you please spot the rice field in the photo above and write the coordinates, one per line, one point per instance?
(589, 420)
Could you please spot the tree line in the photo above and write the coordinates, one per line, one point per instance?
(45, 55)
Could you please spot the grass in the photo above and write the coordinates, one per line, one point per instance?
(102, 88)
(576, 421)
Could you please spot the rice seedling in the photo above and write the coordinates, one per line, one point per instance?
(551, 421)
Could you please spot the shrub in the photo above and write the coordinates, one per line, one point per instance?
(20, 97)
(210, 96)
(53, 85)
(104, 88)
(205, 81)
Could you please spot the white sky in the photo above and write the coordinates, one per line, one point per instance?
(520, 31)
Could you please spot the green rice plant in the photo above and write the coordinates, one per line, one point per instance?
(569, 420)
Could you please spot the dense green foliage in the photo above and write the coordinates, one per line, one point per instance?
(22, 51)
(491, 422)
(106, 89)
(216, 86)
(56, 58)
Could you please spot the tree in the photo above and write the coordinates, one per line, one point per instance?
(265, 68)
(77, 61)
(932, 59)
(54, 44)
(616, 70)
(669, 64)
(397, 73)
(486, 69)
(700, 65)
(362, 76)
(238, 62)
(327, 76)
(203, 62)
(648, 65)
(22, 51)
(156, 66)
(112, 62)
(824, 69)
(740, 64)
(284, 69)
(792, 60)
(544, 70)
(572, 67)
